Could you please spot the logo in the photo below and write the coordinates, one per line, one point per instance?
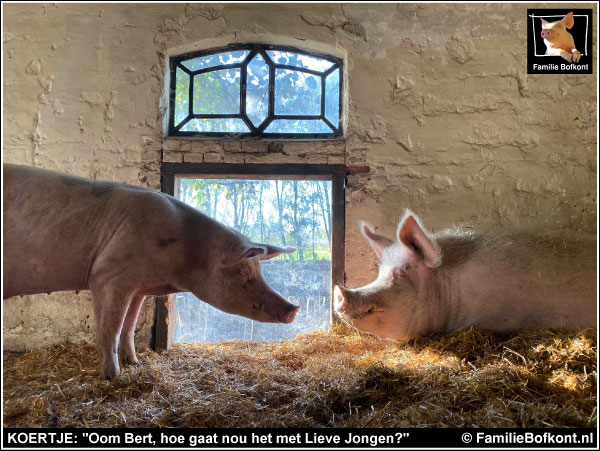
(559, 41)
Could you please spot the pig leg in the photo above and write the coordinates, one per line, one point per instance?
(566, 55)
(110, 307)
(126, 342)
(576, 55)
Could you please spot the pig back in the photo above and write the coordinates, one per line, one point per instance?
(521, 281)
(54, 224)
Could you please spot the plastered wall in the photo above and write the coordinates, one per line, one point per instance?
(439, 107)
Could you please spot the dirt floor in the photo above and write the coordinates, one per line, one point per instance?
(322, 379)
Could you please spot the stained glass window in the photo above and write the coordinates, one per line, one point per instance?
(256, 90)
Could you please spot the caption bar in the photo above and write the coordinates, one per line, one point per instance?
(298, 438)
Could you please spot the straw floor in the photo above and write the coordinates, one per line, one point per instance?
(339, 378)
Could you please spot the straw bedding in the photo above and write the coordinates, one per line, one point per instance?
(339, 378)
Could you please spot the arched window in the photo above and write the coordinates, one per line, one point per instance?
(256, 90)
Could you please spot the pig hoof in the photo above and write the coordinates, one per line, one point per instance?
(131, 361)
(566, 55)
(110, 376)
(109, 373)
(576, 56)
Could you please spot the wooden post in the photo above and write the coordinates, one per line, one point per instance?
(165, 322)
(338, 236)
(164, 330)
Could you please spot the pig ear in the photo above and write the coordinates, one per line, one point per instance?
(544, 22)
(244, 252)
(252, 250)
(263, 251)
(259, 251)
(274, 251)
(414, 236)
(378, 243)
(569, 20)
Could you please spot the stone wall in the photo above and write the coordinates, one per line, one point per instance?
(440, 107)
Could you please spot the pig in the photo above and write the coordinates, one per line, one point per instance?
(458, 278)
(559, 42)
(123, 243)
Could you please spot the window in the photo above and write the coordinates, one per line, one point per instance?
(295, 205)
(256, 90)
(281, 212)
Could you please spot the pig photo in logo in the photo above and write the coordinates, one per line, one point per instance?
(559, 41)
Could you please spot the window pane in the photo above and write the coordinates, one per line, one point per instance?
(332, 97)
(182, 94)
(228, 125)
(299, 60)
(298, 126)
(282, 212)
(257, 90)
(217, 59)
(303, 87)
(217, 92)
(297, 93)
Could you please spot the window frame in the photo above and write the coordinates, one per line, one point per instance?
(257, 132)
(336, 173)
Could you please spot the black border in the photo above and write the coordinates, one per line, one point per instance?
(584, 66)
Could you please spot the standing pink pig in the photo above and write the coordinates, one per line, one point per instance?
(123, 243)
(559, 42)
(458, 279)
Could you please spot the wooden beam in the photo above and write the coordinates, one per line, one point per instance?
(338, 236)
(164, 330)
(353, 170)
(167, 183)
(253, 169)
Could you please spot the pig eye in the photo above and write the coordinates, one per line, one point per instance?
(398, 274)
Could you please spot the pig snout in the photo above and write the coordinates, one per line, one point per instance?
(277, 309)
(290, 315)
(354, 302)
(546, 34)
(340, 301)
